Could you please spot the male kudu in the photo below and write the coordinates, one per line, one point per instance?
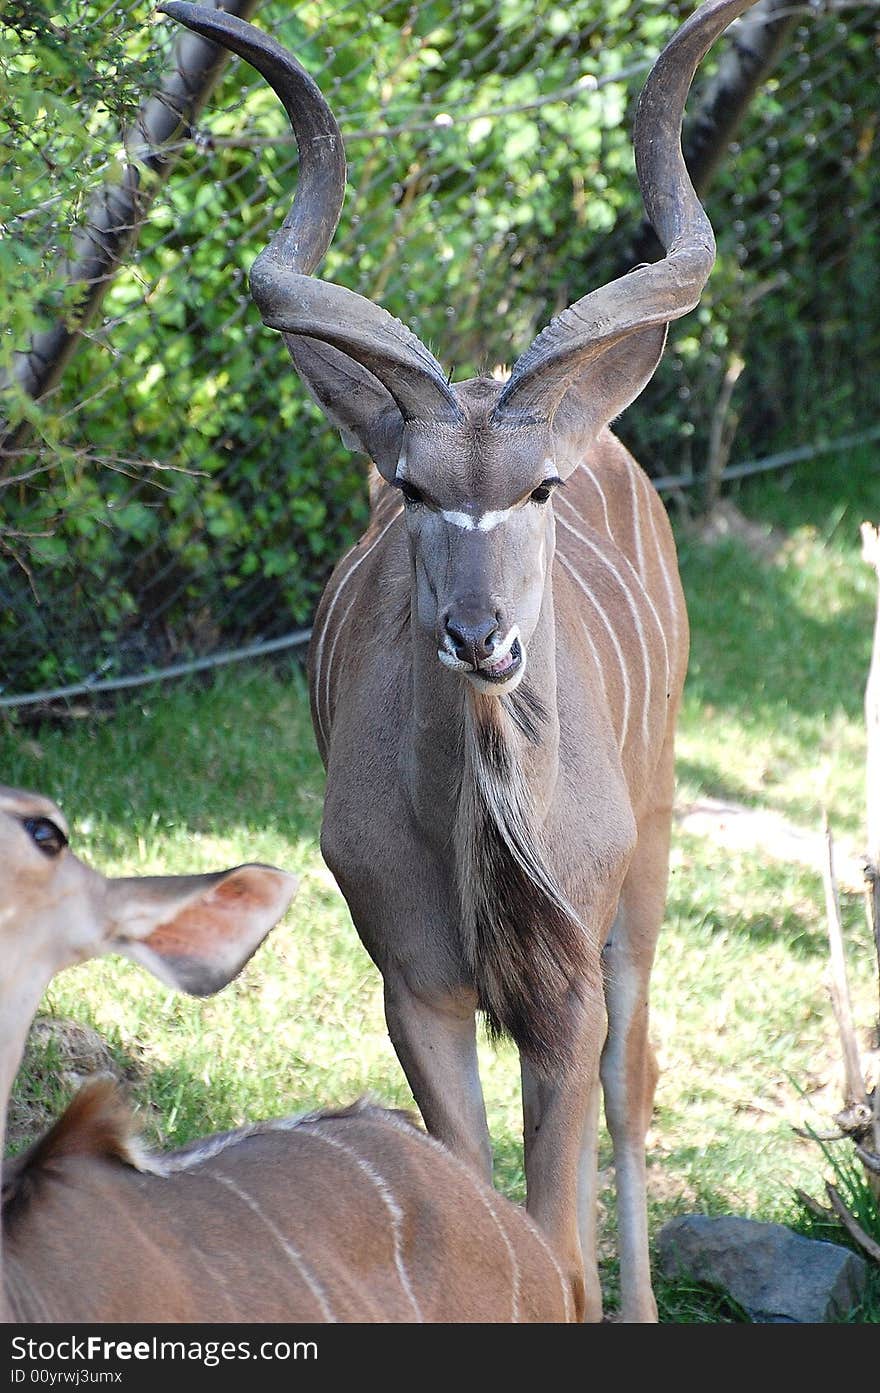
(353, 1215)
(496, 669)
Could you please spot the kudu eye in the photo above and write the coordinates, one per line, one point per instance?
(46, 835)
(543, 491)
(411, 494)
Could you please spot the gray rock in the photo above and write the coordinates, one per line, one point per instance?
(776, 1275)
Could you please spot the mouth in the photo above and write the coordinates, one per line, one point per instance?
(497, 674)
(502, 669)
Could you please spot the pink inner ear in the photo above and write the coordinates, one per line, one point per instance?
(223, 927)
(197, 931)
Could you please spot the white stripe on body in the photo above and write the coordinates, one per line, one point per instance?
(645, 485)
(648, 601)
(632, 469)
(664, 569)
(482, 1193)
(295, 1257)
(598, 487)
(319, 650)
(388, 1200)
(567, 1297)
(640, 633)
(20, 1285)
(624, 729)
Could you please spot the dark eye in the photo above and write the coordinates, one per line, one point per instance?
(410, 493)
(49, 838)
(543, 491)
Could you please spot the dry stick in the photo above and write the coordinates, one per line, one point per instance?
(813, 1205)
(854, 1229)
(837, 981)
(869, 1160)
(871, 554)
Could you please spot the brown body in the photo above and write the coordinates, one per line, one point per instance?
(335, 1217)
(604, 772)
(348, 1216)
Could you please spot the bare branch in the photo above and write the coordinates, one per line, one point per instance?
(117, 211)
(813, 1205)
(23, 566)
(869, 1159)
(809, 1135)
(838, 986)
(871, 555)
(853, 1228)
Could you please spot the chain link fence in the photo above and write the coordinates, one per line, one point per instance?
(176, 501)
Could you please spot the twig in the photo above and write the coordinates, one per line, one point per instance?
(869, 1159)
(837, 981)
(871, 555)
(10, 551)
(853, 1228)
(813, 1205)
(809, 1135)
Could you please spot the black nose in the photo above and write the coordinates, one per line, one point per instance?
(473, 636)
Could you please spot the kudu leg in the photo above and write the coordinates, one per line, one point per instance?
(629, 1068)
(436, 1043)
(560, 1125)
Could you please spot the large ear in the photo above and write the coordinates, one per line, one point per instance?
(605, 387)
(581, 392)
(352, 399)
(196, 932)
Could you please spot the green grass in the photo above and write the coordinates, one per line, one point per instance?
(194, 777)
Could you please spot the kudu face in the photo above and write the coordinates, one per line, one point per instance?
(48, 879)
(480, 526)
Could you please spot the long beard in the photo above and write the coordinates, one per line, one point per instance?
(528, 951)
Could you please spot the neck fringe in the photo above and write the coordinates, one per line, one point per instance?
(528, 950)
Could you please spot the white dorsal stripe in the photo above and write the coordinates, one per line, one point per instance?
(295, 1256)
(319, 648)
(624, 728)
(637, 621)
(387, 1196)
